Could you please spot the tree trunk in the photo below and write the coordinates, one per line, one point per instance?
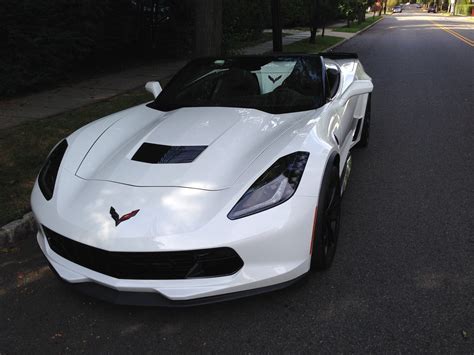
(276, 26)
(312, 38)
(208, 30)
(314, 8)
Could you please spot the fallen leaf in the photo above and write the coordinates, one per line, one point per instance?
(57, 335)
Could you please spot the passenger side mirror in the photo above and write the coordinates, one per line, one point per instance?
(154, 88)
(357, 87)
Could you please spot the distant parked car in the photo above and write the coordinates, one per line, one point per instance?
(397, 9)
(418, 6)
(432, 8)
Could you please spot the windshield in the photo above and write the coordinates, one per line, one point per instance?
(271, 84)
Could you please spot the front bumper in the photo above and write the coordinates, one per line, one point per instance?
(134, 298)
(274, 246)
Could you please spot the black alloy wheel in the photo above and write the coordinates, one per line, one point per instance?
(326, 231)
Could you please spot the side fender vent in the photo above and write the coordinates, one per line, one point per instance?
(165, 154)
(357, 130)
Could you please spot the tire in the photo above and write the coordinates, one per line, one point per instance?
(326, 230)
(364, 135)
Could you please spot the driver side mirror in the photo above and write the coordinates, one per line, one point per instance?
(154, 88)
(357, 87)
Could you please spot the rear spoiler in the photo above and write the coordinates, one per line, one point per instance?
(336, 56)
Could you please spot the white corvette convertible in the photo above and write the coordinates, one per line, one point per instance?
(228, 184)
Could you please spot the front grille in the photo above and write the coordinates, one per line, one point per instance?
(169, 265)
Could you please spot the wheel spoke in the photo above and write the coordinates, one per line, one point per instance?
(332, 214)
(330, 236)
(332, 199)
(332, 210)
(331, 224)
(329, 227)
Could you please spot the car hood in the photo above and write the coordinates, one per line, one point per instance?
(231, 138)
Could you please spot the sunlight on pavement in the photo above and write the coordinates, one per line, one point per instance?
(456, 34)
(424, 27)
(25, 278)
(457, 20)
(427, 26)
(450, 25)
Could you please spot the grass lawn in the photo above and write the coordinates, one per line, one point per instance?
(355, 27)
(24, 148)
(304, 46)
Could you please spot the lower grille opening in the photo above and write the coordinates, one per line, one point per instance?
(169, 265)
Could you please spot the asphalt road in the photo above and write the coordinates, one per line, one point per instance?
(403, 278)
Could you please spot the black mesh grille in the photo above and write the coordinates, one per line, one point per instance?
(165, 154)
(147, 265)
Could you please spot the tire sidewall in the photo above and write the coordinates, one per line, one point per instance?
(318, 257)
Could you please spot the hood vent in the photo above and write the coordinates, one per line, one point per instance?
(165, 154)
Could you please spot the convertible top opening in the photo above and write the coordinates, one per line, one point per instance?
(273, 84)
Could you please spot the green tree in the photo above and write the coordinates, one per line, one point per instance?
(348, 9)
(320, 12)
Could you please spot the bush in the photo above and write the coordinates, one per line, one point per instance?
(243, 20)
(295, 13)
(43, 42)
(40, 40)
(463, 7)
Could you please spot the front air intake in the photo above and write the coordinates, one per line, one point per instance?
(161, 265)
(165, 154)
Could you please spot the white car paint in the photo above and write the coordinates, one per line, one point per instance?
(185, 206)
(221, 129)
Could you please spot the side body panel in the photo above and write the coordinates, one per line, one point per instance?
(347, 115)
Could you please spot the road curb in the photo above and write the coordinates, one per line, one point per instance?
(17, 230)
(356, 34)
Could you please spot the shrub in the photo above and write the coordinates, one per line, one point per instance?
(42, 40)
(243, 20)
(464, 7)
(295, 13)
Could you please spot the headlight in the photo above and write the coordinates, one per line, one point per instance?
(274, 187)
(49, 172)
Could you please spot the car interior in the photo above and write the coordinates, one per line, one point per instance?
(275, 86)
